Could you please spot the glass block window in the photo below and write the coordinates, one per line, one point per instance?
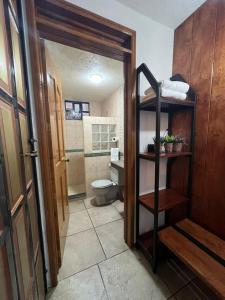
(102, 135)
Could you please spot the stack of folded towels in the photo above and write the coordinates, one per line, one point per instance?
(171, 89)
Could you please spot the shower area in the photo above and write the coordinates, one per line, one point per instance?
(89, 141)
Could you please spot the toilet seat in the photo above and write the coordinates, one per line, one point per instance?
(100, 184)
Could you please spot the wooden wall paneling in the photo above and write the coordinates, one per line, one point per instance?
(181, 125)
(207, 73)
(204, 26)
(181, 121)
(215, 161)
(5, 75)
(182, 49)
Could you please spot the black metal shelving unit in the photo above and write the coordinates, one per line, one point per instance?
(164, 200)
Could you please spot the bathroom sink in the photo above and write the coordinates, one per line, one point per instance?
(119, 164)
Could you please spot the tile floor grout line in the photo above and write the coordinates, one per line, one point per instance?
(96, 264)
(85, 204)
(108, 223)
(78, 232)
(114, 255)
(92, 227)
(100, 240)
(99, 243)
(85, 269)
(103, 282)
(97, 235)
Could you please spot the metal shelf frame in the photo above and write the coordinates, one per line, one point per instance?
(158, 109)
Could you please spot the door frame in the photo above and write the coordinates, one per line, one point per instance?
(68, 24)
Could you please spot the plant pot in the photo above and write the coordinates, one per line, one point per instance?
(161, 148)
(177, 147)
(168, 147)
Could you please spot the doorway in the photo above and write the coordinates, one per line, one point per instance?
(53, 20)
(85, 96)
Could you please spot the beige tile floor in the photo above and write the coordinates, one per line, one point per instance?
(98, 265)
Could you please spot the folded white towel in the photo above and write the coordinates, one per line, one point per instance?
(177, 86)
(173, 94)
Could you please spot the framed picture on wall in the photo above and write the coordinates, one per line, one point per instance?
(76, 110)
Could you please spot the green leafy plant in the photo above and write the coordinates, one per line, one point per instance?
(179, 139)
(162, 140)
(169, 139)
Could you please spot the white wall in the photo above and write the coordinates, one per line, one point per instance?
(155, 48)
(154, 40)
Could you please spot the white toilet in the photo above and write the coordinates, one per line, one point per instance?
(105, 190)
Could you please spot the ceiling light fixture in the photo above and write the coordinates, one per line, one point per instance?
(96, 78)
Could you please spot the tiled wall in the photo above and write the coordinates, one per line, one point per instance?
(74, 145)
(85, 166)
(96, 163)
(113, 106)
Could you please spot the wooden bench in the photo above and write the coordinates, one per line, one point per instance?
(200, 250)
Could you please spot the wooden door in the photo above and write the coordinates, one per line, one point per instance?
(20, 252)
(54, 110)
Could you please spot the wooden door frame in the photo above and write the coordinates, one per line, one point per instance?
(68, 24)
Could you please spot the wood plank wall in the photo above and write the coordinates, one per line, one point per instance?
(199, 55)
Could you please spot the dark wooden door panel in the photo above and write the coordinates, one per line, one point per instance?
(23, 259)
(17, 59)
(26, 146)
(5, 80)
(19, 230)
(32, 206)
(11, 153)
(5, 279)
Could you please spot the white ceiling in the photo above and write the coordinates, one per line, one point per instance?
(168, 12)
(75, 67)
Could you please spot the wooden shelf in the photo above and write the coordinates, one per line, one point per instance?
(206, 238)
(168, 199)
(151, 155)
(149, 104)
(201, 263)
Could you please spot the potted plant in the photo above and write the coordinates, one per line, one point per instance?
(161, 143)
(178, 143)
(168, 143)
